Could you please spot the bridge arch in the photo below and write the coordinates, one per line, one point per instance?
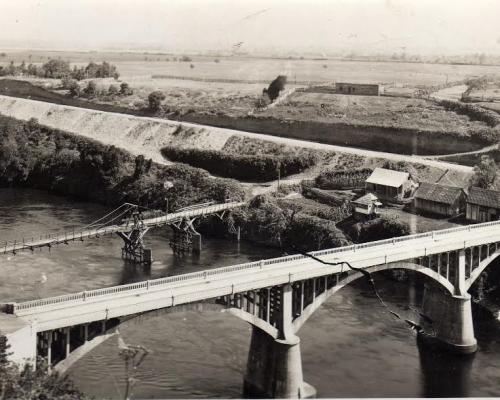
(323, 297)
(477, 271)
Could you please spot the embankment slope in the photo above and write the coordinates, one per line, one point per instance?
(147, 136)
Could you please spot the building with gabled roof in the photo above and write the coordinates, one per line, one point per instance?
(483, 205)
(439, 199)
(388, 185)
(366, 206)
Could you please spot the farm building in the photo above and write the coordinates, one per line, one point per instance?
(366, 206)
(388, 185)
(442, 200)
(482, 205)
(365, 89)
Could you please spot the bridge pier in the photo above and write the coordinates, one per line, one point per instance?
(451, 321)
(274, 368)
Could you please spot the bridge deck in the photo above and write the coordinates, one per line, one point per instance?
(100, 304)
(65, 237)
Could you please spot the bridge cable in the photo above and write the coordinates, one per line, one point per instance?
(413, 325)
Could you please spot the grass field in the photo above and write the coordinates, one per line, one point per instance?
(409, 113)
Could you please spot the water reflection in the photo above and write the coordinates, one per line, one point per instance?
(444, 374)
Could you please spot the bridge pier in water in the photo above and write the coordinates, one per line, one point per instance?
(451, 314)
(274, 366)
(451, 318)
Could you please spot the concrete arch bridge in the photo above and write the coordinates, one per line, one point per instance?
(276, 296)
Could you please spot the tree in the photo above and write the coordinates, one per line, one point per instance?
(74, 88)
(155, 98)
(113, 90)
(125, 89)
(56, 68)
(485, 173)
(91, 89)
(28, 383)
(276, 86)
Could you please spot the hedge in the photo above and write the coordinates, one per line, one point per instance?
(261, 167)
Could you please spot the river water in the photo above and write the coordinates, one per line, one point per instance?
(351, 347)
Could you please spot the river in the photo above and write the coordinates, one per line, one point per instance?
(351, 347)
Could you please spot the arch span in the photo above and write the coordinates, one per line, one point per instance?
(483, 264)
(323, 297)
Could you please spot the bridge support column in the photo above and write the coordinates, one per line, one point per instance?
(451, 318)
(274, 368)
(196, 243)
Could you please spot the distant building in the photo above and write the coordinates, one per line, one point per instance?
(438, 199)
(366, 206)
(388, 185)
(482, 205)
(365, 89)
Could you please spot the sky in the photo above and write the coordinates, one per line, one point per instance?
(364, 26)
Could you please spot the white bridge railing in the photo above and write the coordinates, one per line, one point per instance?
(165, 282)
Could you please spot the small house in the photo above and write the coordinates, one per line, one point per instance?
(365, 89)
(482, 205)
(388, 185)
(366, 206)
(438, 199)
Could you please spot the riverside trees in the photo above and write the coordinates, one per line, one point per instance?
(28, 383)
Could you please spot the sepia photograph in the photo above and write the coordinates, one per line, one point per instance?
(285, 199)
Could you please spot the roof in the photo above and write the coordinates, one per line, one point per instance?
(357, 84)
(484, 197)
(388, 177)
(367, 199)
(438, 193)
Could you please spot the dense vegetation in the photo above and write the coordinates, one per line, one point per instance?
(378, 229)
(37, 156)
(253, 167)
(27, 383)
(59, 69)
(285, 226)
(474, 112)
(343, 178)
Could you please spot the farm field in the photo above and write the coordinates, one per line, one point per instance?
(418, 114)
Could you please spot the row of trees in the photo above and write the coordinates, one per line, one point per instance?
(91, 90)
(59, 69)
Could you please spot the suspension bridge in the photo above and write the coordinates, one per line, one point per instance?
(131, 222)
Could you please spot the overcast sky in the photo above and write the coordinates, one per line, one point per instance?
(414, 26)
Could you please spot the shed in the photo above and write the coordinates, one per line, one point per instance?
(483, 205)
(438, 199)
(388, 185)
(366, 206)
(366, 89)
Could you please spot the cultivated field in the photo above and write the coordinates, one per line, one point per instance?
(418, 114)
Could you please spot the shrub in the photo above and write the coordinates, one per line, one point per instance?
(125, 89)
(154, 100)
(342, 179)
(74, 88)
(259, 167)
(276, 86)
(91, 89)
(378, 229)
(473, 111)
(113, 90)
